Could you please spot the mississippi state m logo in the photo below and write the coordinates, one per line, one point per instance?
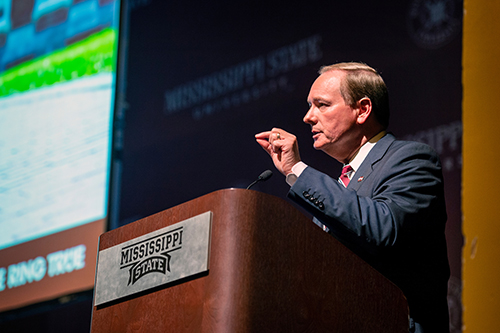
(151, 255)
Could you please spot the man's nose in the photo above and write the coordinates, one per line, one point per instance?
(309, 118)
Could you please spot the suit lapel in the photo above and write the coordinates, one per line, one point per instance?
(377, 152)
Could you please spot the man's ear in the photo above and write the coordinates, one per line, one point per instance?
(364, 107)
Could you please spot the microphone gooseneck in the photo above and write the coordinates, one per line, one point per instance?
(263, 177)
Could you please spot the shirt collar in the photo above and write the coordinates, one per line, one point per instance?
(364, 150)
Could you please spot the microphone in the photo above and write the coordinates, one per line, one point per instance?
(263, 177)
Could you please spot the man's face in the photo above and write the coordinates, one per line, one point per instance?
(332, 121)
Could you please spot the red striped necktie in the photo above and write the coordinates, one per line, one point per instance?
(343, 176)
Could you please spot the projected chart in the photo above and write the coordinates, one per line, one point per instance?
(54, 150)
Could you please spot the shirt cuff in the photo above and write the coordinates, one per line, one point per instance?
(297, 170)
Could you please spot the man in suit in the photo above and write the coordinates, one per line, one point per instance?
(388, 205)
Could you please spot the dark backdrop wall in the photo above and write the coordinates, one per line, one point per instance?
(204, 77)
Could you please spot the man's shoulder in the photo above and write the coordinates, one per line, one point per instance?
(411, 147)
(393, 150)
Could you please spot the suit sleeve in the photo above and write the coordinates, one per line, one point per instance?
(396, 200)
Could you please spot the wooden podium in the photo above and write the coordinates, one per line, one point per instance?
(271, 269)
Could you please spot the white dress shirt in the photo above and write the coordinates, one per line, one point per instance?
(355, 163)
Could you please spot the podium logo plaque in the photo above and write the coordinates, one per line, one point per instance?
(151, 260)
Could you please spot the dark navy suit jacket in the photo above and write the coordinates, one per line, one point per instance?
(393, 215)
